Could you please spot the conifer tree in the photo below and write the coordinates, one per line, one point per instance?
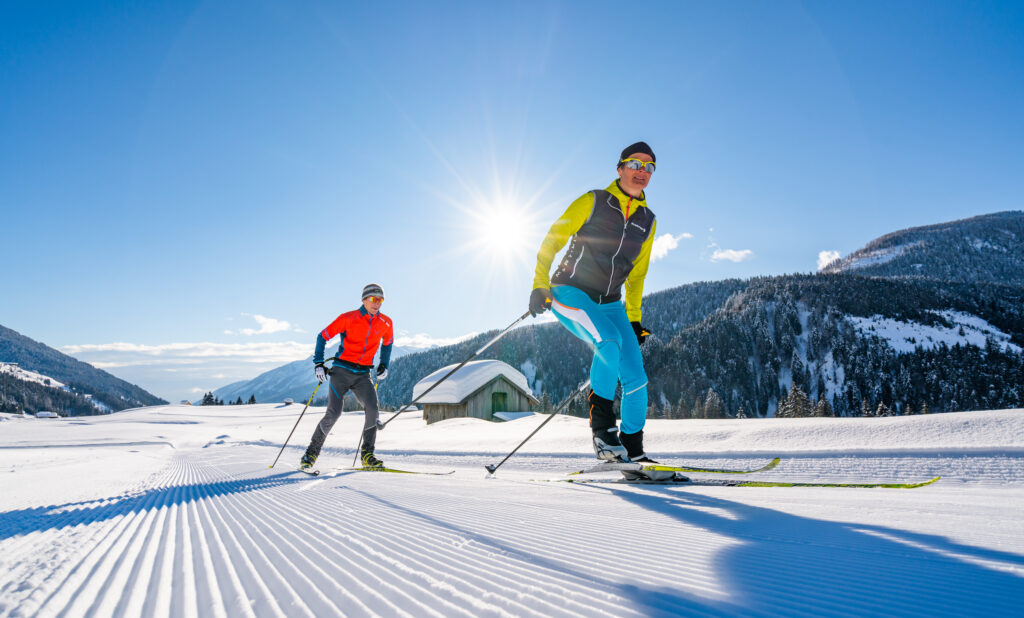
(252, 399)
(799, 406)
(713, 406)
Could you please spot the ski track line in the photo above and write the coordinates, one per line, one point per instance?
(452, 544)
(529, 571)
(442, 565)
(243, 525)
(577, 553)
(327, 578)
(209, 536)
(330, 579)
(446, 553)
(255, 513)
(398, 598)
(208, 596)
(449, 538)
(86, 546)
(79, 590)
(353, 544)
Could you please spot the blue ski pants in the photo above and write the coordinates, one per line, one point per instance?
(616, 352)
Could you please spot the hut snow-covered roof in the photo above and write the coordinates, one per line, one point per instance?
(466, 381)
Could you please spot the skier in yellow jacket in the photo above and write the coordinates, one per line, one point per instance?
(610, 232)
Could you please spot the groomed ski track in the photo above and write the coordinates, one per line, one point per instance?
(204, 528)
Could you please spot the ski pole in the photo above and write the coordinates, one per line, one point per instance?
(448, 375)
(296, 426)
(492, 467)
(362, 434)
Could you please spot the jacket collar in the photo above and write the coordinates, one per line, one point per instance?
(623, 197)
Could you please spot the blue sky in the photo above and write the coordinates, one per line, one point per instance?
(189, 191)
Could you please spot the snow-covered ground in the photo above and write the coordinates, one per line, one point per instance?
(174, 511)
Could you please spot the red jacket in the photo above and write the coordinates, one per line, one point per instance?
(361, 333)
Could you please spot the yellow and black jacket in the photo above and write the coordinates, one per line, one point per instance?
(612, 234)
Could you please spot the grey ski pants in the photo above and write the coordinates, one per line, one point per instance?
(342, 380)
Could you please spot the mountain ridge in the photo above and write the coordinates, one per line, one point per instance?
(79, 377)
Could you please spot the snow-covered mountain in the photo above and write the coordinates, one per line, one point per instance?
(988, 248)
(75, 388)
(294, 380)
(947, 339)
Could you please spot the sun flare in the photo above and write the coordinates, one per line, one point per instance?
(503, 231)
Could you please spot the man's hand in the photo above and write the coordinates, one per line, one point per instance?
(540, 301)
(382, 371)
(641, 332)
(321, 372)
(380, 424)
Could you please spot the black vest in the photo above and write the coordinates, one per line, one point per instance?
(602, 253)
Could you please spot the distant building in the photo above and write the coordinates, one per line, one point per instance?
(482, 389)
(46, 414)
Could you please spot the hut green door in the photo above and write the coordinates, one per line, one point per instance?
(499, 402)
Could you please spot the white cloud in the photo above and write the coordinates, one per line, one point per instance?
(826, 257)
(665, 243)
(122, 354)
(732, 255)
(267, 326)
(423, 340)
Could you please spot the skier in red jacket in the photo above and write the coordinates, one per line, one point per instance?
(362, 331)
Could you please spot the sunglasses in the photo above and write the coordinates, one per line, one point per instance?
(376, 299)
(637, 164)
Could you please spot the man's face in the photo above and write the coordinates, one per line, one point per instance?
(372, 304)
(633, 182)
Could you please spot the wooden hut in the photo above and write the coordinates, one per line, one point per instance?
(478, 390)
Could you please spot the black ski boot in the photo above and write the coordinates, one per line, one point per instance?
(369, 461)
(634, 443)
(606, 437)
(307, 462)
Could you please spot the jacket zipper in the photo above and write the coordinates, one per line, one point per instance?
(369, 328)
(622, 238)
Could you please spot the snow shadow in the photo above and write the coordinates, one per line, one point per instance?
(38, 519)
(777, 563)
(649, 601)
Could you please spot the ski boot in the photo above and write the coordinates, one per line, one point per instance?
(634, 443)
(307, 462)
(369, 461)
(606, 437)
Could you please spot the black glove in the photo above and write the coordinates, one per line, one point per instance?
(540, 301)
(382, 371)
(641, 332)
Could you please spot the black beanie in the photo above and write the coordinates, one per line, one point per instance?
(635, 148)
(372, 289)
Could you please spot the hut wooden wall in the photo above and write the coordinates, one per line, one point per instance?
(478, 404)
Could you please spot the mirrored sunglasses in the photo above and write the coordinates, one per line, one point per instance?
(637, 164)
(376, 299)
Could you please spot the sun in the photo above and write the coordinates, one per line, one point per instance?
(502, 230)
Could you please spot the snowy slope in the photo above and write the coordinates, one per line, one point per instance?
(25, 375)
(173, 511)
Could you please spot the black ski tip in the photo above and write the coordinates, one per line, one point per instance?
(490, 468)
